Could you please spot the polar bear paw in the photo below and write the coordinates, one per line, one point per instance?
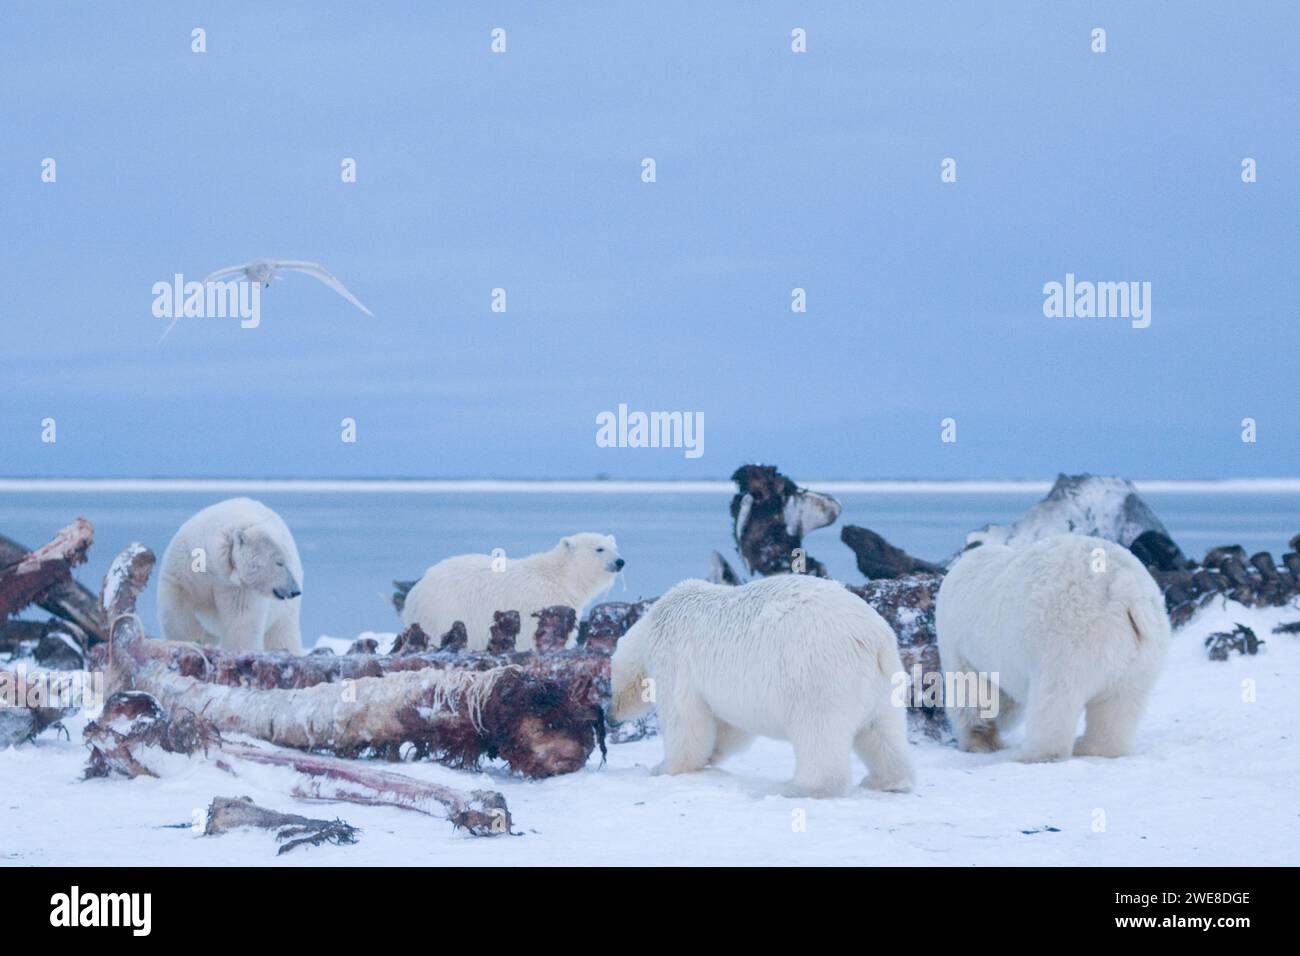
(1043, 756)
(1083, 747)
(982, 741)
(897, 785)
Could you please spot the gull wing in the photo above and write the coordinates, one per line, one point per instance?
(168, 329)
(222, 273)
(212, 277)
(324, 275)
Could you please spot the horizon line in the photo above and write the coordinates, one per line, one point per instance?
(611, 485)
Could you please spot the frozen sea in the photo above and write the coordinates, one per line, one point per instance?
(356, 537)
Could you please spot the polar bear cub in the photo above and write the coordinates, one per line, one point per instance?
(231, 576)
(1065, 625)
(792, 657)
(469, 588)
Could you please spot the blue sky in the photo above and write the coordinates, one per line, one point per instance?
(775, 170)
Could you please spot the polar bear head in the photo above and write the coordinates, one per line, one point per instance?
(590, 562)
(260, 564)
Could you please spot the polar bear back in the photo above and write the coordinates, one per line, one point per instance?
(468, 589)
(1082, 604)
(766, 654)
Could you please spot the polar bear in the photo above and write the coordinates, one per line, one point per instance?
(1067, 624)
(470, 587)
(793, 657)
(231, 576)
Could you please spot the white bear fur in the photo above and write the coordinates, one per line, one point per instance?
(469, 590)
(1061, 637)
(791, 657)
(250, 558)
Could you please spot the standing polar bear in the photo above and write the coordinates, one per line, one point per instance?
(470, 587)
(792, 657)
(231, 576)
(1069, 623)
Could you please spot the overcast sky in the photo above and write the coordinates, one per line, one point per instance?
(775, 170)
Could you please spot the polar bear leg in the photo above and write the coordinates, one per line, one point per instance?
(1052, 718)
(243, 619)
(1112, 722)
(821, 760)
(284, 634)
(1009, 713)
(882, 746)
(689, 730)
(729, 740)
(975, 733)
(176, 615)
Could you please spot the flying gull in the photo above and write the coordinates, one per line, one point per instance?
(264, 270)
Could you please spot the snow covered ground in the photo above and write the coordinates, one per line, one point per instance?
(1214, 782)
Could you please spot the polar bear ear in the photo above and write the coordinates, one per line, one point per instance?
(236, 540)
(568, 543)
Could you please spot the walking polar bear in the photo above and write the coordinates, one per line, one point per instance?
(469, 588)
(1067, 624)
(231, 576)
(792, 657)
